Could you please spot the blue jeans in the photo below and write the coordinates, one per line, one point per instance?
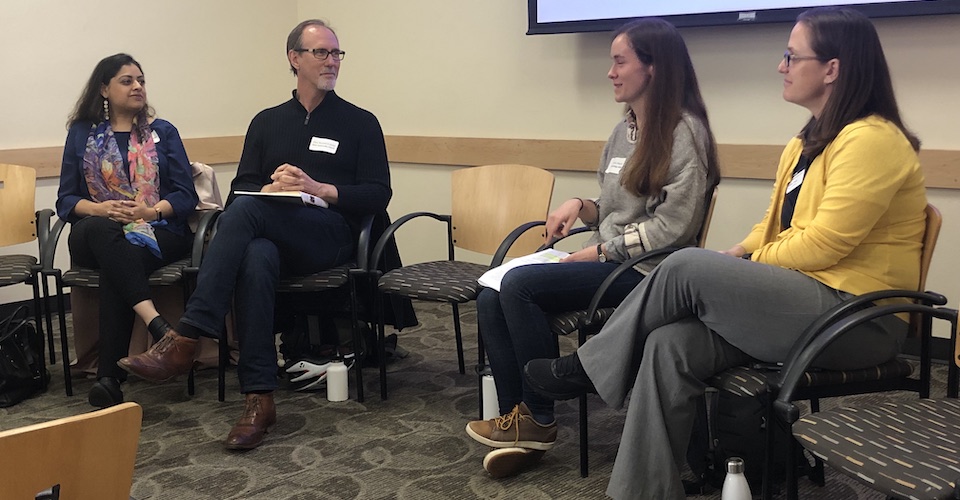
(514, 327)
(256, 242)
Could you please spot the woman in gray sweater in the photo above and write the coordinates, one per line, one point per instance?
(655, 172)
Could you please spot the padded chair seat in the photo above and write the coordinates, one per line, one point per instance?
(16, 268)
(567, 322)
(90, 278)
(439, 281)
(908, 450)
(324, 280)
(746, 381)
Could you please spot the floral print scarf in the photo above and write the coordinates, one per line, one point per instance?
(107, 179)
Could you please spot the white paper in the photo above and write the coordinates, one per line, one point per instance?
(305, 198)
(493, 277)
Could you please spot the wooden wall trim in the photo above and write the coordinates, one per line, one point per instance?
(744, 161)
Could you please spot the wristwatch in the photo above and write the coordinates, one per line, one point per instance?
(600, 256)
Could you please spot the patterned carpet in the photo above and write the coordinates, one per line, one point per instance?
(411, 446)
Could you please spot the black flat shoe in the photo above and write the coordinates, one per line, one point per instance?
(105, 392)
(561, 378)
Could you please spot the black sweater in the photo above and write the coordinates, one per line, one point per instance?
(288, 134)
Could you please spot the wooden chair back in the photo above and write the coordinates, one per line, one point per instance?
(18, 188)
(90, 456)
(930, 235)
(490, 201)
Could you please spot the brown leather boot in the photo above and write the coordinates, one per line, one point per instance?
(258, 415)
(171, 356)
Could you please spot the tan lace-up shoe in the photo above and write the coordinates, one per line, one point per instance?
(515, 429)
(506, 462)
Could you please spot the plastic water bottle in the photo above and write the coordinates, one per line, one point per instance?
(491, 408)
(337, 387)
(735, 485)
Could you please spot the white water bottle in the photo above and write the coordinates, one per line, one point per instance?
(491, 406)
(735, 485)
(337, 387)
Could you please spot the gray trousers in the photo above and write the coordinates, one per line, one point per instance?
(698, 313)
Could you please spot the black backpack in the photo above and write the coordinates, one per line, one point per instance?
(22, 370)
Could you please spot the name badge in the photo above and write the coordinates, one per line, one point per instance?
(325, 145)
(615, 166)
(156, 137)
(796, 181)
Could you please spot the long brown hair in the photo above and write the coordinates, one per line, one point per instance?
(863, 86)
(672, 90)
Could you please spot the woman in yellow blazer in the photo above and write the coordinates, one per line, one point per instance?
(846, 217)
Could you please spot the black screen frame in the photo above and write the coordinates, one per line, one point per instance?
(763, 16)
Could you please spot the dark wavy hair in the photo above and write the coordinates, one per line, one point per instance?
(673, 89)
(863, 86)
(89, 107)
(295, 38)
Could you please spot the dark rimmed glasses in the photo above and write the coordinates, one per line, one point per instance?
(322, 54)
(789, 58)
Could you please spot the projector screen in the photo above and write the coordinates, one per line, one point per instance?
(571, 16)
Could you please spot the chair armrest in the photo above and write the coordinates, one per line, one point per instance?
(206, 228)
(800, 361)
(374, 261)
(47, 237)
(574, 231)
(851, 306)
(622, 268)
(363, 244)
(511, 238)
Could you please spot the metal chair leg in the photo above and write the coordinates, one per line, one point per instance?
(459, 335)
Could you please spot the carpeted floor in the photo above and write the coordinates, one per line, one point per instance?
(410, 446)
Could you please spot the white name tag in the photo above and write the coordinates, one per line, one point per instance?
(156, 137)
(615, 165)
(796, 181)
(325, 145)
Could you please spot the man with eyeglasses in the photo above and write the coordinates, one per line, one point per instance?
(315, 143)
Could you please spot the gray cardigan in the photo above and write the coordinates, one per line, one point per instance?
(630, 225)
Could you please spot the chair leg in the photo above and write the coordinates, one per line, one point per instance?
(38, 314)
(816, 474)
(223, 348)
(64, 345)
(481, 371)
(381, 349)
(459, 336)
(43, 309)
(355, 330)
(766, 488)
(191, 388)
(584, 466)
(791, 466)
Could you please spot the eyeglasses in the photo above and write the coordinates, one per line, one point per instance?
(321, 54)
(789, 58)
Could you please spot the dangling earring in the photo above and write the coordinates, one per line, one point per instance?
(106, 110)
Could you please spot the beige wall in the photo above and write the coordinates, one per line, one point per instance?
(440, 68)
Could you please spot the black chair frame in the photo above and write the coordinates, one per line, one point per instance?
(786, 389)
